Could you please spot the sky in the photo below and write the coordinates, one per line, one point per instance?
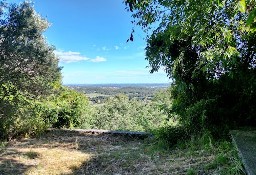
(90, 40)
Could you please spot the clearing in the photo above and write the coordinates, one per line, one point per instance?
(76, 152)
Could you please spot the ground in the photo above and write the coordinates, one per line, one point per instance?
(72, 152)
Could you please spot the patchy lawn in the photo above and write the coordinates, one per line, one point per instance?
(72, 152)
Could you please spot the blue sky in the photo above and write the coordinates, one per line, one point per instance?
(90, 39)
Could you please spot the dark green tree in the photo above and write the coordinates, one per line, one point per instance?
(29, 70)
(208, 48)
(26, 60)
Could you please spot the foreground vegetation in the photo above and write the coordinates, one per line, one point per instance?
(105, 154)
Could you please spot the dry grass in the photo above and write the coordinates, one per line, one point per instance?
(70, 152)
(42, 156)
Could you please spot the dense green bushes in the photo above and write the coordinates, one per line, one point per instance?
(120, 113)
(68, 109)
(21, 114)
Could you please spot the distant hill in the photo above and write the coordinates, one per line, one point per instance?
(98, 93)
(146, 85)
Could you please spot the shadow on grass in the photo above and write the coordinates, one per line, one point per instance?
(9, 166)
(114, 162)
(24, 156)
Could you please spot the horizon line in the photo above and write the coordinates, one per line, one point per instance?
(108, 83)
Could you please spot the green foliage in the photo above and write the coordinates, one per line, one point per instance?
(226, 158)
(27, 61)
(31, 97)
(191, 172)
(208, 49)
(19, 115)
(171, 135)
(122, 113)
(251, 17)
(29, 71)
(68, 109)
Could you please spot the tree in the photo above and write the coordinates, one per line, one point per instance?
(29, 71)
(69, 109)
(27, 61)
(209, 51)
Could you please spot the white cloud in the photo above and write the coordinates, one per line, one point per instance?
(98, 59)
(70, 56)
(117, 48)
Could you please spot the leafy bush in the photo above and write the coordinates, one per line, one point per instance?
(19, 114)
(68, 109)
(171, 135)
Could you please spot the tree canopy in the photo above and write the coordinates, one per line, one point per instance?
(208, 48)
(27, 60)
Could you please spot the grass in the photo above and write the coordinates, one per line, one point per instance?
(70, 152)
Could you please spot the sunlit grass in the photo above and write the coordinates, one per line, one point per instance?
(56, 161)
(43, 160)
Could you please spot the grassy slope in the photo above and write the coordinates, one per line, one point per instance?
(68, 152)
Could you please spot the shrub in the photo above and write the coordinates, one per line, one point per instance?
(172, 135)
(19, 114)
(68, 109)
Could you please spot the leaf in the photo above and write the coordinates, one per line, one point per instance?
(242, 5)
(251, 17)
